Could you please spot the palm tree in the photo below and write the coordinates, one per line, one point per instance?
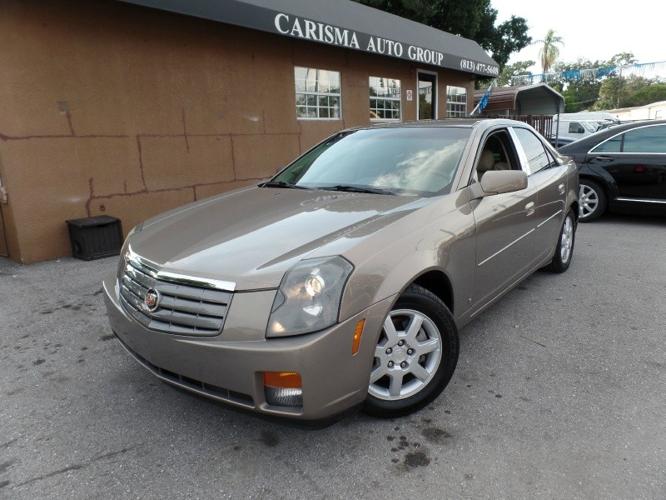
(549, 51)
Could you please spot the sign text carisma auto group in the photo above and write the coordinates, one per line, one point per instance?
(326, 33)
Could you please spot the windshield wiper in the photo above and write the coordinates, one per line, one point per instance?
(356, 189)
(281, 184)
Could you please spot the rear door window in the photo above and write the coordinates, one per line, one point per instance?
(646, 140)
(537, 159)
(613, 145)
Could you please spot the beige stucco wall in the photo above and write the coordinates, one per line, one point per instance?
(108, 108)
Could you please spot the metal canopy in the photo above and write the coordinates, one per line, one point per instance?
(342, 23)
(537, 99)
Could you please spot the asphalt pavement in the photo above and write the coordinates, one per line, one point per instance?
(560, 392)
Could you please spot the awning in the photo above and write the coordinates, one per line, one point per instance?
(344, 24)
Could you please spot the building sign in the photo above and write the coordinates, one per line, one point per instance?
(420, 44)
(316, 31)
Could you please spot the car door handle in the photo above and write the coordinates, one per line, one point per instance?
(561, 188)
(602, 158)
(529, 209)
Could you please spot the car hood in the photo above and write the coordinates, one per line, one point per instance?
(252, 236)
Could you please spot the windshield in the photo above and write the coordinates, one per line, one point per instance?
(417, 161)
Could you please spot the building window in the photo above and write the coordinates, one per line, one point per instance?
(384, 98)
(317, 94)
(456, 102)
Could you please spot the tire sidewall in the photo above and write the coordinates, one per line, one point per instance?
(556, 264)
(421, 300)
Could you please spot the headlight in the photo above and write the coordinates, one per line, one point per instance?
(309, 296)
(123, 250)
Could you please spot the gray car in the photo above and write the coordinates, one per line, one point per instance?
(344, 279)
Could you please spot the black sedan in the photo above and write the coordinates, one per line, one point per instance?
(622, 168)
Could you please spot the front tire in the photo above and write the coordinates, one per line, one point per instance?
(415, 357)
(591, 200)
(565, 245)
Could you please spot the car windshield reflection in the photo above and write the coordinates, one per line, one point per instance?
(405, 161)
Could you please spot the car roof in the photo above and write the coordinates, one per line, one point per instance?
(443, 123)
(586, 143)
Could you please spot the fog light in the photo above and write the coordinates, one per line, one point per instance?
(283, 389)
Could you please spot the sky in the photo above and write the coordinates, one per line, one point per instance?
(592, 29)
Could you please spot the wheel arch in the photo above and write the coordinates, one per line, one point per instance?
(436, 281)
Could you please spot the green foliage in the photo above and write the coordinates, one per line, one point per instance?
(512, 70)
(475, 19)
(622, 59)
(607, 92)
(618, 92)
(652, 92)
(579, 93)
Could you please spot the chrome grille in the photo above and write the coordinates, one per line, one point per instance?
(181, 309)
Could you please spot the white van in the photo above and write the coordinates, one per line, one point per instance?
(574, 126)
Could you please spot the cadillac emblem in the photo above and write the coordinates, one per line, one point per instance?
(152, 300)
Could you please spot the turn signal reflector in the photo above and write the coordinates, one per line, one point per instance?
(358, 332)
(284, 380)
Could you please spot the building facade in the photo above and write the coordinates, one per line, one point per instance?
(115, 108)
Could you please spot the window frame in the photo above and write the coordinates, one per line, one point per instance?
(318, 95)
(390, 99)
(435, 97)
(511, 150)
(622, 152)
(457, 115)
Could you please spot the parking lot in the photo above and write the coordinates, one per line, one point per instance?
(559, 393)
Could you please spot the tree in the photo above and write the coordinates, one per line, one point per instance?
(622, 59)
(512, 70)
(549, 51)
(579, 93)
(619, 92)
(652, 92)
(475, 19)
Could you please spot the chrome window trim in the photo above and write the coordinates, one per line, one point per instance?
(154, 271)
(621, 153)
(641, 200)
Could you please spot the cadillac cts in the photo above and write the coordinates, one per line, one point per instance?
(344, 279)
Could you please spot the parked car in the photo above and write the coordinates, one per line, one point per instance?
(575, 126)
(622, 168)
(345, 278)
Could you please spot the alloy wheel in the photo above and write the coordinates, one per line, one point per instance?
(407, 355)
(588, 201)
(566, 240)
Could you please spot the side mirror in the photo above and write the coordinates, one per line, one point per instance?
(501, 181)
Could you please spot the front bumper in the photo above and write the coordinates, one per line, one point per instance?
(230, 366)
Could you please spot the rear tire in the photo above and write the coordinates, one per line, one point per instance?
(565, 245)
(592, 200)
(416, 355)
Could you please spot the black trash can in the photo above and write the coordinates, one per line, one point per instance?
(95, 237)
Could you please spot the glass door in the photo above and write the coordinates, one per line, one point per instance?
(427, 99)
